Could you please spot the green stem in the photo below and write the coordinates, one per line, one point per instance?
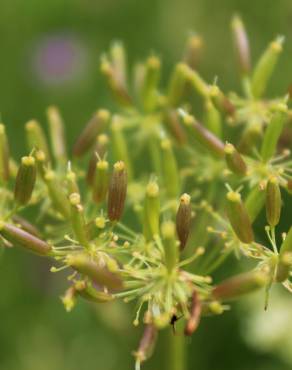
(175, 349)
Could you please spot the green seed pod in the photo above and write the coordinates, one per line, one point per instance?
(101, 182)
(77, 219)
(241, 44)
(116, 86)
(24, 239)
(87, 266)
(117, 192)
(57, 195)
(150, 83)
(273, 202)
(170, 245)
(57, 134)
(119, 62)
(36, 138)
(120, 144)
(238, 217)
(170, 170)
(208, 140)
(273, 132)
(234, 160)
(94, 127)
(195, 315)
(192, 51)
(151, 210)
(173, 126)
(265, 67)
(285, 258)
(147, 344)
(177, 85)
(4, 155)
(25, 180)
(99, 151)
(250, 138)
(183, 220)
(286, 246)
(220, 101)
(239, 285)
(254, 202)
(197, 83)
(88, 292)
(71, 180)
(212, 119)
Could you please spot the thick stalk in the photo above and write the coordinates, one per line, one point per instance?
(175, 349)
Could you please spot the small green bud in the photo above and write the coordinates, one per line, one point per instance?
(265, 67)
(4, 155)
(25, 180)
(89, 267)
(36, 138)
(94, 127)
(238, 217)
(241, 44)
(183, 220)
(239, 285)
(273, 202)
(170, 245)
(57, 134)
(77, 219)
(195, 314)
(170, 169)
(151, 210)
(20, 237)
(101, 182)
(117, 191)
(273, 132)
(234, 160)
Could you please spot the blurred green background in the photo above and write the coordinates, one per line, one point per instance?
(50, 55)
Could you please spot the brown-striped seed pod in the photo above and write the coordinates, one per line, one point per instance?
(241, 45)
(238, 217)
(101, 182)
(94, 127)
(183, 220)
(234, 160)
(239, 285)
(273, 201)
(89, 267)
(4, 155)
(117, 191)
(195, 314)
(25, 180)
(20, 237)
(36, 138)
(147, 343)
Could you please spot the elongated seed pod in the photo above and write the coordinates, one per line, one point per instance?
(99, 151)
(254, 202)
(170, 170)
(198, 84)
(117, 191)
(20, 237)
(273, 132)
(285, 258)
(88, 292)
(205, 137)
(239, 285)
(273, 202)
(101, 182)
(94, 127)
(212, 119)
(195, 314)
(57, 134)
(265, 67)
(57, 195)
(241, 44)
(4, 155)
(150, 83)
(71, 182)
(36, 138)
(25, 180)
(77, 219)
(174, 127)
(220, 101)
(119, 62)
(234, 160)
(147, 343)
(170, 246)
(183, 220)
(89, 267)
(238, 217)
(192, 51)
(25, 225)
(177, 85)
(151, 210)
